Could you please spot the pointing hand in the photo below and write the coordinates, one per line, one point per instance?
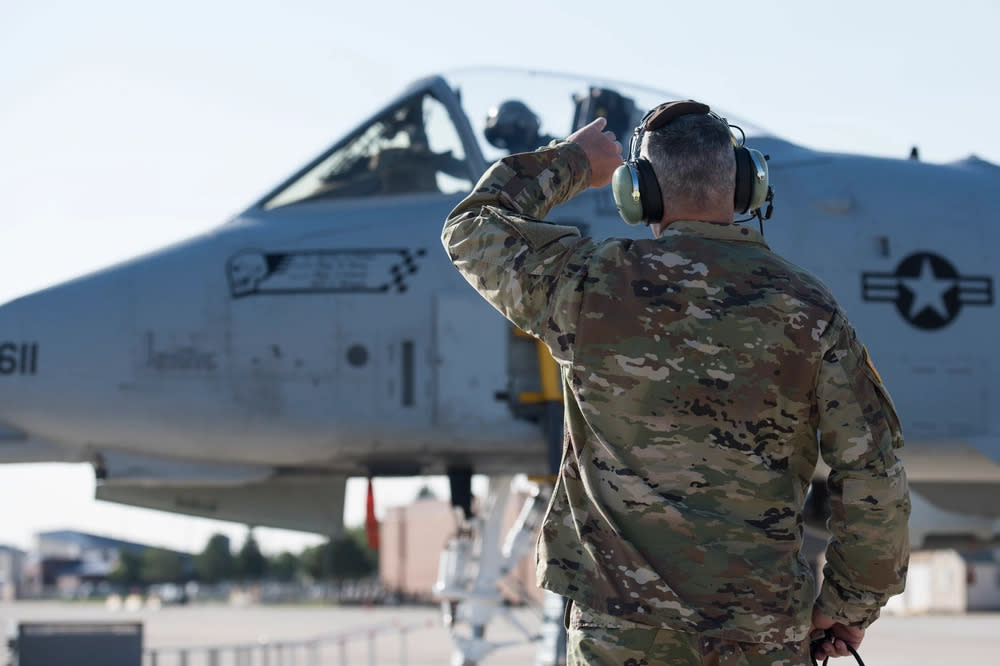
(603, 151)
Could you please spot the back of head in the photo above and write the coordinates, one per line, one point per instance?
(694, 163)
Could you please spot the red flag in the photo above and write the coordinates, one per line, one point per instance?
(371, 522)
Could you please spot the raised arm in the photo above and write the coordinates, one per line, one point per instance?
(498, 241)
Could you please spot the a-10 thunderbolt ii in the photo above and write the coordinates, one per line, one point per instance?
(322, 333)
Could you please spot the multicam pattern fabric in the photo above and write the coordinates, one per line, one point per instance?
(698, 368)
(593, 640)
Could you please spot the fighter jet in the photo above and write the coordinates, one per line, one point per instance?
(322, 333)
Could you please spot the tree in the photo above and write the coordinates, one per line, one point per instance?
(215, 563)
(343, 557)
(350, 559)
(360, 536)
(160, 565)
(425, 492)
(250, 562)
(283, 567)
(128, 572)
(313, 561)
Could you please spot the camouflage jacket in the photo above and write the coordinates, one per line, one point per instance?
(698, 368)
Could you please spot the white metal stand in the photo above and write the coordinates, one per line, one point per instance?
(472, 564)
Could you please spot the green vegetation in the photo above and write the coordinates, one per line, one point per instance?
(285, 567)
(250, 563)
(128, 573)
(161, 566)
(343, 558)
(215, 563)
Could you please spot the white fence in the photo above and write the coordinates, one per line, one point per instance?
(356, 646)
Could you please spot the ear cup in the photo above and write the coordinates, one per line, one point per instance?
(637, 194)
(628, 197)
(760, 180)
(741, 197)
(651, 195)
(751, 180)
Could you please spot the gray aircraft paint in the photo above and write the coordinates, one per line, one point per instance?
(307, 342)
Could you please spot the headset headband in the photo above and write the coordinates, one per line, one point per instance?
(637, 194)
(666, 113)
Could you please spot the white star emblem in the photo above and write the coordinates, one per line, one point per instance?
(928, 291)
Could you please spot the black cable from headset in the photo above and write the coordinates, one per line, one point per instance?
(756, 214)
(743, 135)
(828, 636)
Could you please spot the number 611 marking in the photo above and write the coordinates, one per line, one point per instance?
(18, 358)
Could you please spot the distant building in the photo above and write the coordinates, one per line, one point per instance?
(68, 563)
(984, 581)
(412, 537)
(11, 573)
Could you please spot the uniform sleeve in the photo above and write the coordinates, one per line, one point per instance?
(520, 264)
(866, 559)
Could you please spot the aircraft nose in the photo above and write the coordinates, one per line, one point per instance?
(56, 344)
(18, 356)
(18, 359)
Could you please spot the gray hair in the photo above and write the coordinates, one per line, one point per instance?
(693, 160)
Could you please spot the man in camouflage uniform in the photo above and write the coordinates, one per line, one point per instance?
(698, 367)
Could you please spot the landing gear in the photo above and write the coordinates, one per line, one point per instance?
(474, 561)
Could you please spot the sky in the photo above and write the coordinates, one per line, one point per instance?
(126, 126)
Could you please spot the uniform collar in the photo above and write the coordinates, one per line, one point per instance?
(716, 230)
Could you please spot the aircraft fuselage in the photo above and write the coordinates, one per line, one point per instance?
(324, 329)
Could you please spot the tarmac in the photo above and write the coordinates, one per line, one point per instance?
(415, 635)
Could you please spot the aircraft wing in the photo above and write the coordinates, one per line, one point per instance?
(19, 447)
(255, 495)
(314, 504)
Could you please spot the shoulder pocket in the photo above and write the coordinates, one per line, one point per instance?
(888, 408)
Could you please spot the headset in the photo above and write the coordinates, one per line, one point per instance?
(637, 194)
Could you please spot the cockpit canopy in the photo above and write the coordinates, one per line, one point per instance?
(412, 147)
(438, 137)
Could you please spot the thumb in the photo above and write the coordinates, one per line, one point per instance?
(589, 133)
